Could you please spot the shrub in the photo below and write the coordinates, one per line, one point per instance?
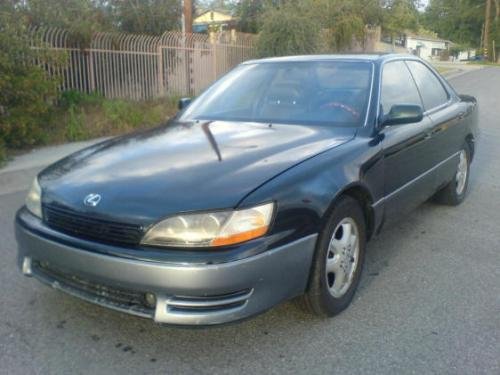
(27, 93)
(75, 130)
(70, 98)
(287, 31)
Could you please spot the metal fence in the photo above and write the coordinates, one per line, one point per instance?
(141, 67)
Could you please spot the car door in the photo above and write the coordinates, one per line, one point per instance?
(406, 148)
(446, 113)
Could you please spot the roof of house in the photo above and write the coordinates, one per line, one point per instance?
(212, 16)
(427, 38)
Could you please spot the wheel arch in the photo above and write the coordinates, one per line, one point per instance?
(363, 196)
(471, 143)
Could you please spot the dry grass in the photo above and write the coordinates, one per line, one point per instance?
(107, 118)
(83, 117)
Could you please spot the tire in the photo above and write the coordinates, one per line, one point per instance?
(455, 192)
(323, 297)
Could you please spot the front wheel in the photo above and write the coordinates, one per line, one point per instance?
(338, 260)
(455, 192)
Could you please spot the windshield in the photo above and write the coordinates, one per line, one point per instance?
(321, 92)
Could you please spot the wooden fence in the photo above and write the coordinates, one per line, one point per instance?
(141, 67)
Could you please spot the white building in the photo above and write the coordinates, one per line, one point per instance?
(426, 47)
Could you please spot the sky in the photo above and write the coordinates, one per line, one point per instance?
(423, 4)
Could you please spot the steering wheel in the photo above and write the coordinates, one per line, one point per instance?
(343, 106)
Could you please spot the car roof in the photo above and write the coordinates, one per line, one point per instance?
(375, 57)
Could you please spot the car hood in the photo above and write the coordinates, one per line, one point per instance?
(181, 167)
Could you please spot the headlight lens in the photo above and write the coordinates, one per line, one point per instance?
(33, 200)
(211, 229)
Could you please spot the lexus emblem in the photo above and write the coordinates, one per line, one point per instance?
(92, 200)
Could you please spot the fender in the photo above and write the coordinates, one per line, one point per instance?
(306, 192)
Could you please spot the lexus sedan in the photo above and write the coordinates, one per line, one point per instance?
(264, 188)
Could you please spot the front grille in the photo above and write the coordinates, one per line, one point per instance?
(86, 227)
(130, 301)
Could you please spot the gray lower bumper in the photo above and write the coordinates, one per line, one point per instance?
(184, 294)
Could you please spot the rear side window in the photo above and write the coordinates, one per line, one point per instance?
(398, 86)
(431, 89)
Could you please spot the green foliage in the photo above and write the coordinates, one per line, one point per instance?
(80, 17)
(287, 31)
(145, 17)
(248, 13)
(400, 16)
(82, 116)
(75, 130)
(27, 94)
(458, 20)
(307, 26)
(85, 17)
(70, 98)
(120, 114)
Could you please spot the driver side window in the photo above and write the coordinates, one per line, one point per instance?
(398, 86)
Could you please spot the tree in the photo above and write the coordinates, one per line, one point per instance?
(80, 17)
(344, 20)
(287, 31)
(460, 21)
(249, 13)
(495, 29)
(146, 16)
(84, 17)
(399, 16)
(336, 23)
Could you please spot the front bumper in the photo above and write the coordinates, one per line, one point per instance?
(183, 293)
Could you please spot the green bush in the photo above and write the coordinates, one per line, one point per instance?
(70, 98)
(27, 94)
(287, 31)
(26, 99)
(75, 128)
(121, 114)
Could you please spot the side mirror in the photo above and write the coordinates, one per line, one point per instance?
(183, 103)
(403, 114)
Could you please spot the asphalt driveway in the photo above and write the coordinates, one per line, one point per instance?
(429, 300)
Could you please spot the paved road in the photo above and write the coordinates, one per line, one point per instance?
(429, 300)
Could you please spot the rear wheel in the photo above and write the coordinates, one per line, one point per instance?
(338, 260)
(455, 192)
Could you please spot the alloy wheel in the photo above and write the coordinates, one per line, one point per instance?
(461, 176)
(342, 257)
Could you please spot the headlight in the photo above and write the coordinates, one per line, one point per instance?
(211, 229)
(33, 200)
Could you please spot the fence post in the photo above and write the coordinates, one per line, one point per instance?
(90, 67)
(214, 53)
(161, 89)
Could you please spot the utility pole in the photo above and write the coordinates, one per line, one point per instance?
(188, 16)
(487, 16)
(187, 28)
(481, 43)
